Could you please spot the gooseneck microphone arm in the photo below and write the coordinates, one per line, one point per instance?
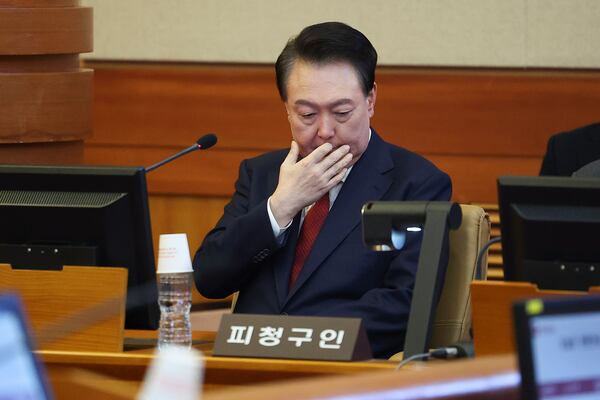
(173, 157)
(205, 142)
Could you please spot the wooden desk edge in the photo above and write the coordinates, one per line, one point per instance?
(487, 376)
(87, 358)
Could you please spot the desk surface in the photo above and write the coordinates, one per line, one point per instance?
(486, 377)
(251, 378)
(493, 377)
(220, 372)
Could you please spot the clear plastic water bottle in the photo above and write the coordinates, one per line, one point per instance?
(175, 300)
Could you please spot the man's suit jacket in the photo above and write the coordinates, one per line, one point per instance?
(567, 152)
(340, 277)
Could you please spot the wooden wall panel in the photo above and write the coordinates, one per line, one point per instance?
(54, 153)
(474, 177)
(50, 28)
(174, 105)
(192, 215)
(38, 107)
(204, 173)
(475, 124)
(185, 214)
(483, 112)
(45, 97)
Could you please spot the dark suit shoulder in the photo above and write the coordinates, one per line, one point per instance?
(568, 151)
(410, 164)
(267, 160)
(414, 177)
(576, 139)
(264, 163)
(588, 132)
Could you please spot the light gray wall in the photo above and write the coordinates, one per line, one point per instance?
(493, 33)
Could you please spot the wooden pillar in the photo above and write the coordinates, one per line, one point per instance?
(45, 97)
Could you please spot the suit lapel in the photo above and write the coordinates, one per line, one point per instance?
(366, 182)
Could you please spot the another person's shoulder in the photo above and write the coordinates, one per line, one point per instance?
(577, 137)
(566, 152)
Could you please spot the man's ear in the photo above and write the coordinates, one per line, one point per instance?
(371, 98)
(287, 110)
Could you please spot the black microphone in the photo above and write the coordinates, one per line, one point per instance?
(205, 142)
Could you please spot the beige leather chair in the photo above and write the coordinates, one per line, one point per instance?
(453, 316)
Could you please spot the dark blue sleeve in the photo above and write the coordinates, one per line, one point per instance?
(230, 252)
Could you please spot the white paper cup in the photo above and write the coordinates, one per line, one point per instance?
(173, 254)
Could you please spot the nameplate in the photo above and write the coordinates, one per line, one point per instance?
(282, 336)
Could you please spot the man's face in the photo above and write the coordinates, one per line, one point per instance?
(326, 104)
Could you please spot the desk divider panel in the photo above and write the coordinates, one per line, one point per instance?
(493, 329)
(78, 308)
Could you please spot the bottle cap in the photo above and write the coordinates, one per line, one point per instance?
(173, 254)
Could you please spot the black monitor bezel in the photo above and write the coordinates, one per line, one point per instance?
(545, 191)
(142, 295)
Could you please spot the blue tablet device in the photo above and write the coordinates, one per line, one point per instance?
(558, 342)
(22, 376)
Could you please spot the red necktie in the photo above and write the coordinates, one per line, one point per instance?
(313, 221)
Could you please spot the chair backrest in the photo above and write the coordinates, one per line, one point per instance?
(453, 316)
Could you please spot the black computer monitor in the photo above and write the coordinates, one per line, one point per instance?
(52, 216)
(550, 230)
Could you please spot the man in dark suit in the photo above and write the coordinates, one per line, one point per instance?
(568, 152)
(290, 239)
